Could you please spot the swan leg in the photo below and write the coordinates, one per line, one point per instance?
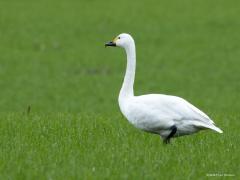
(174, 130)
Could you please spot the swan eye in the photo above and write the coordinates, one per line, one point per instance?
(119, 38)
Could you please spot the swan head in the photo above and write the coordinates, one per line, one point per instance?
(122, 40)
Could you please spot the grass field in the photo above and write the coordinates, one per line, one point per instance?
(53, 60)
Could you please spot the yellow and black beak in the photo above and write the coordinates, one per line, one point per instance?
(111, 43)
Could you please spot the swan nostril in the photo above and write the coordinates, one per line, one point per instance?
(110, 44)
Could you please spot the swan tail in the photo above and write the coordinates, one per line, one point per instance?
(215, 128)
(208, 126)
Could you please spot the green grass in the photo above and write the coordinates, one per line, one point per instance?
(52, 58)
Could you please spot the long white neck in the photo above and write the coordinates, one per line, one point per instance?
(127, 86)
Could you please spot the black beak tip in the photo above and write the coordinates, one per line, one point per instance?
(110, 44)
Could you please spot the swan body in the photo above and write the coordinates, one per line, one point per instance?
(168, 116)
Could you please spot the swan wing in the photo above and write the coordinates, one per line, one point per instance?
(177, 110)
(173, 106)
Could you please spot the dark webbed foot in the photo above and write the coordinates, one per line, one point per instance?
(166, 141)
(173, 131)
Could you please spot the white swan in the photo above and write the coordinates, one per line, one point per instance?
(168, 116)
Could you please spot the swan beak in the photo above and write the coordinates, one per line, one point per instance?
(110, 44)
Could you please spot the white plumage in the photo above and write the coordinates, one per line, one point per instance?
(168, 116)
